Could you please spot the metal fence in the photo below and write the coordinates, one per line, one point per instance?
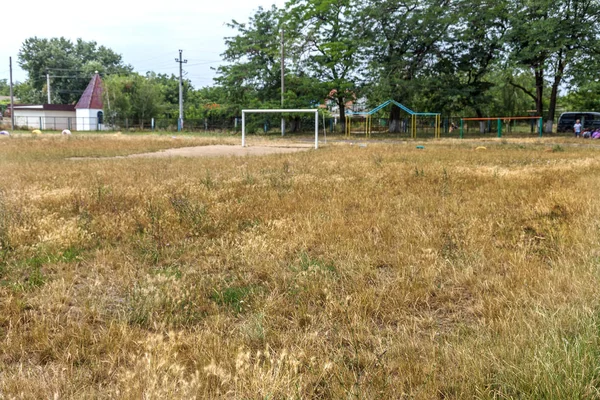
(270, 124)
(254, 124)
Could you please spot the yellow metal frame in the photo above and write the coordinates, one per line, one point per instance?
(347, 127)
(413, 128)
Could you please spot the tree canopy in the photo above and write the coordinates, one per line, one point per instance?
(70, 66)
(472, 58)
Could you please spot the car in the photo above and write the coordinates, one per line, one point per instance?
(589, 119)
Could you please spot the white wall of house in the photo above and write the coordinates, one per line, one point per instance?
(87, 119)
(37, 118)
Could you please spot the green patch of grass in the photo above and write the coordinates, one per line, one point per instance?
(236, 298)
(169, 271)
(562, 365)
(308, 263)
(28, 273)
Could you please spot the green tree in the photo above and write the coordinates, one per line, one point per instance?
(27, 93)
(329, 42)
(252, 76)
(469, 52)
(585, 98)
(404, 43)
(4, 87)
(117, 97)
(135, 97)
(170, 90)
(147, 99)
(70, 65)
(552, 38)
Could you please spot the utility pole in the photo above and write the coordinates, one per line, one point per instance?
(181, 61)
(48, 86)
(282, 82)
(12, 99)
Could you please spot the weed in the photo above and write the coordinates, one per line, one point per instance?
(248, 178)
(166, 300)
(208, 180)
(308, 263)
(190, 213)
(233, 297)
(378, 159)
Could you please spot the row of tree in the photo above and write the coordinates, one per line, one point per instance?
(475, 57)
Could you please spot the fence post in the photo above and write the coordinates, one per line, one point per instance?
(499, 127)
(41, 123)
(461, 128)
(152, 124)
(541, 126)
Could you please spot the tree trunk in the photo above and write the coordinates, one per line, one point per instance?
(553, 96)
(539, 91)
(479, 114)
(296, 122)
(342, 106)
(394, 120)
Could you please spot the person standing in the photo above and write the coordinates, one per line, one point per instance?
(577, 128)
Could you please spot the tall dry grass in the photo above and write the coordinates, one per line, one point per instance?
(348, 272)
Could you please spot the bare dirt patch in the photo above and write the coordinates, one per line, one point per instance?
(214, 151)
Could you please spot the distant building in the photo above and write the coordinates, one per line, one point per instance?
(44, 116)
(89, 108)
(86, 115)
(352, 105)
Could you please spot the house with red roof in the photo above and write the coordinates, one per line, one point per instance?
(86, 115)
(89, 108)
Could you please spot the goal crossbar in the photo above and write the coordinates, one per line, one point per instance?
(280, 111)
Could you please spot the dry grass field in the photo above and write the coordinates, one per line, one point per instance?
(350, 272)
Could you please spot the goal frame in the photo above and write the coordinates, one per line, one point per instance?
(281, 111)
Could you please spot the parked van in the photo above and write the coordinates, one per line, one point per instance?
(588, 120)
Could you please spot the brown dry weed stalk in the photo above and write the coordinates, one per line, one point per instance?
(350, 272)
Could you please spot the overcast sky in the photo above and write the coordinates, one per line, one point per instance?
(148, 34)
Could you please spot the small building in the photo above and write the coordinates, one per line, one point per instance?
(89, 108)
(45, 116)
(86, 115)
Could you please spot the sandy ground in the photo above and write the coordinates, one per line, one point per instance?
(216, 151)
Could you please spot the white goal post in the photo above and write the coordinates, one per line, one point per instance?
(314, 111)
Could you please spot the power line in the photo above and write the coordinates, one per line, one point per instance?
(64, 69)
(65, 76)
(205, 62)
(152, 58)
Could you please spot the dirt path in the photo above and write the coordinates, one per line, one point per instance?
(213, 151)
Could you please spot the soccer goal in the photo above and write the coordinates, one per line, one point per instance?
(282, 111)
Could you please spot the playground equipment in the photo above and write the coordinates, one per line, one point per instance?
(410, 124)
(509, 123)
